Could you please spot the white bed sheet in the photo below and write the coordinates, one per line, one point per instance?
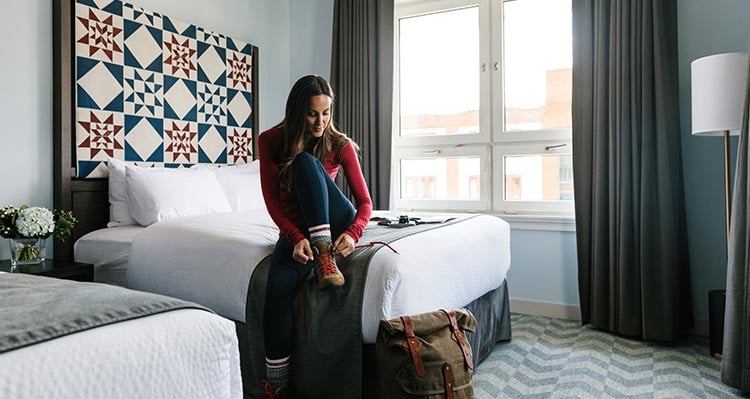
(108, 250)
(185, 353)
(209, 260)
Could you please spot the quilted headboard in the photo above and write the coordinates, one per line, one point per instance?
(145, 88)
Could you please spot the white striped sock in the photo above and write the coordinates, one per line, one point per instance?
(321, 231)
(277, 371)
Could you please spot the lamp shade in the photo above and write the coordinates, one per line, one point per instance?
(719, 84)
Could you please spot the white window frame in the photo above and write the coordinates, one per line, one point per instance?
(483, 152)
(492, 143)
(500, 136)
(431, 7)
(562, 207)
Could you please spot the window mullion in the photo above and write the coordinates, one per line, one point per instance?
(485, 76)
(496, 35)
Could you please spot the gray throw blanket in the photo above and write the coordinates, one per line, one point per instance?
(34, 309)
(327, 354)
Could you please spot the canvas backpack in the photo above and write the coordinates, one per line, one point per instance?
(426, 356)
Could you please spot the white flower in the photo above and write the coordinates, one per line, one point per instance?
(35, 222)
(6, 211)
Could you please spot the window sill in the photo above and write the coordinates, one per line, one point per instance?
(517, 221)
(540, 222)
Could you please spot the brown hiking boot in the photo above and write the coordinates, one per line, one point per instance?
(325, 265)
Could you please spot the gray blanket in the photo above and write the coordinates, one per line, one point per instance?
(327, 354)
(34, 309)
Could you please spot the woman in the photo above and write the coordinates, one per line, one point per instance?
(299, 158)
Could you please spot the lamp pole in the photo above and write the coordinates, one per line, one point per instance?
(727, 202)
(717, 298)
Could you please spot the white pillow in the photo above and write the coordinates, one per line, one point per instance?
(119, 213)
(241, 185)
(156, 194)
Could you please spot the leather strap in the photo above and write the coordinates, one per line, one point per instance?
(413, 343)
(460, 338)
(448, 380)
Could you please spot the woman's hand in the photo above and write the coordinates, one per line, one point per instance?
(344, 245)
(302, 252)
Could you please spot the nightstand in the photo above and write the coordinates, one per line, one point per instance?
(51, 268)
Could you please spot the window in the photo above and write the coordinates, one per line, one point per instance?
(439, 60)
(483, 106)
(441, 178)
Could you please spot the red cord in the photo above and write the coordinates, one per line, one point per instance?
(372, 244)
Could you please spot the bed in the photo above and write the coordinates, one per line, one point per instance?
(178, 353)
(209, 259)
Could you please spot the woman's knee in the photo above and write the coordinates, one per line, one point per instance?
(304, 162)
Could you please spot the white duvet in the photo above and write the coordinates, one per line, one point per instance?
(209, 259)
(206, 259)
(185, 353)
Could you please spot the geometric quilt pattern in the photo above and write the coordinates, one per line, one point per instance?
(240, 148)
(157, 91)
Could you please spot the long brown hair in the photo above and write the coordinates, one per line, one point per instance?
(294, 125)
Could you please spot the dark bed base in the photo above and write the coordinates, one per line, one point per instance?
(492, 311)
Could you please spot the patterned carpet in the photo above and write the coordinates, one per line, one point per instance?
(554, 358)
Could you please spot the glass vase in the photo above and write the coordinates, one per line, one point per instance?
(27, 251)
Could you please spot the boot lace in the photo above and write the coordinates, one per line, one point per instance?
(325, 263)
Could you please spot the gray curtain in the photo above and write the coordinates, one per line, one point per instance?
(735, 364)
(633, 268)
(362, 78)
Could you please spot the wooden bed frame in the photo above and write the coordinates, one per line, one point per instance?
(87, 198)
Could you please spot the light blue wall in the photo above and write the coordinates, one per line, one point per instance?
(311, 24)
(25, 105)
(705, 28)
(26, 79)
(544, 266)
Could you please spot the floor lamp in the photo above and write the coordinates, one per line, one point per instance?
(718, 97)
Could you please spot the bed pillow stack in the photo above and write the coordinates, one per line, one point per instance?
(145, 196)
(241, 185)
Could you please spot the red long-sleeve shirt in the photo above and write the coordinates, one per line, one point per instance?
(283, 205)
